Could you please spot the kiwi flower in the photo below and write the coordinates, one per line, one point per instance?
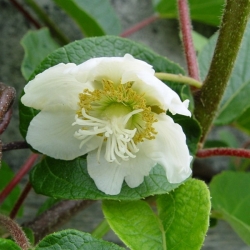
(114, 110)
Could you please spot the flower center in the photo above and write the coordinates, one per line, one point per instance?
(119, 115)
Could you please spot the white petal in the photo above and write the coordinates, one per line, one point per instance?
(158, 93)
(52, 134)
(116, 69)
(169, 149)
(107, 176)
(56, 85)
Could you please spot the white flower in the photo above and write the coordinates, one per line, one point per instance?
(114, 109)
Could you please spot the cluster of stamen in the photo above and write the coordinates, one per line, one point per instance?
(119, 115)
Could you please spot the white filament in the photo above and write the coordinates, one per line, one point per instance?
(119, 140)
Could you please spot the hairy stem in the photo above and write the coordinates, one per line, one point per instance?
(233, 25)
(139, 26)
(187, 40)
(243, 153)
(24, 169)
(56, 216)
(179, 78)
(15, 231)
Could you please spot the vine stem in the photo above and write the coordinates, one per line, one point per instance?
(178, 78)
(15, 231)
(243, 153)
(139, 26)
(57, 215)
(20, 200)
(186, 28)
(102, 229)
(15, 145)
(24, 169)
(232, 29)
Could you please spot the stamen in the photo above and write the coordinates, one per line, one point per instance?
(123, 120)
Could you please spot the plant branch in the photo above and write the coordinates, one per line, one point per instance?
(15, 231)
(20, 200)
(57, 215)
(238, 152)
(139, 26)
(15, 145)
(186, 28)
(179, 78)
(26, 14)
(233, 25)
(24, 169)
(52, 26)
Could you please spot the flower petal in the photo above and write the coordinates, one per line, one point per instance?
(107, 176)
(169, 149)
(52, 134)
(158, 93)
(116, 69)
(56, 85)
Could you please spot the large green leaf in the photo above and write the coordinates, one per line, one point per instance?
(95, 17)
(74, 240)
(37, 45)
(6, 244)
(70, 180)
(208, 11)
(235, 100)
(181, 223)
(231, 197)
(6, 175)
(79, 52)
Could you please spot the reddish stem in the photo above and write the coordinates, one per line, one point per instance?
(186, 28)
(139, 26)
(25, 13)
(15, 145)
(24, 169)
(243, 153)
(20, 200)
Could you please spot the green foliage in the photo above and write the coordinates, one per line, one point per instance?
(74, 240)
(235, 101)
(6, 244)
(231, 198)
(95, 17)
(37, 45)
(6, 176)
(70, 180)
(181, 222)
(208, 12)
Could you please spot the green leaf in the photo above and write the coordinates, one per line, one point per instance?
(135, 223)
(74, 240)
(243, 122)
(235, 100)
(6, 175)
(70, 180)
(95, 17)
(208, 12)
(6, 244)
(50, 202)
(185, 215)
(181, 223)
(37, 45)
(231, 198)
(199, 41)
